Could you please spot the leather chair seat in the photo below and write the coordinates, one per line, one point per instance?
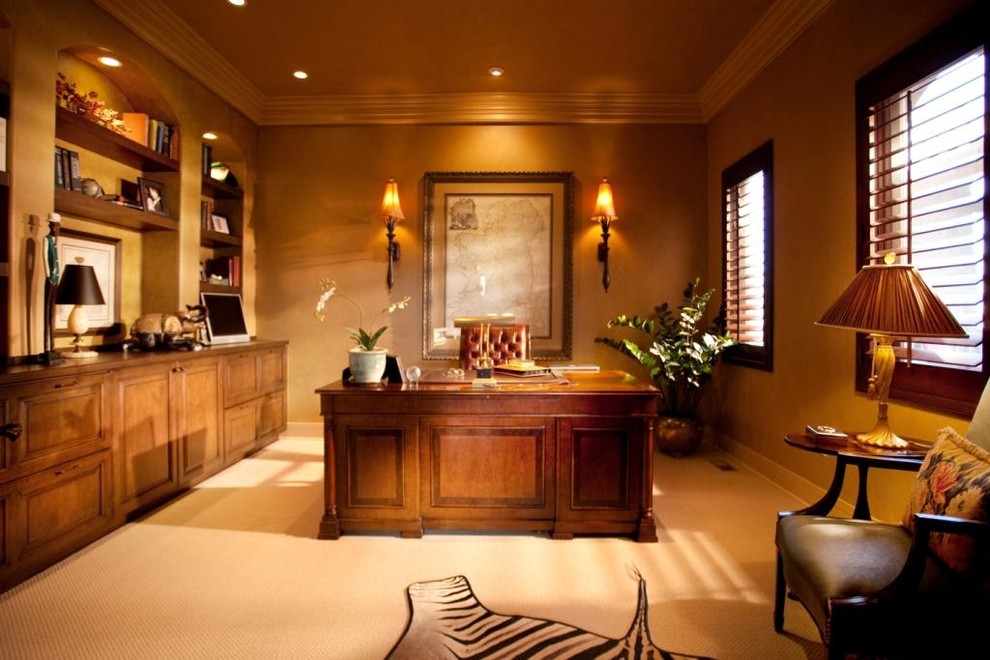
(827, 559)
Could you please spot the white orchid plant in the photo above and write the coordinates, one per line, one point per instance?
(365, 341)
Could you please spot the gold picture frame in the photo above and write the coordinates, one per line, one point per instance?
(497, 243)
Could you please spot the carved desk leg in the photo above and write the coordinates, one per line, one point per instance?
(330, 523)
(647, 528)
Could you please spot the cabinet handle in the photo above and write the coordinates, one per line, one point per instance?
(59, 473)
(59, 386)
(11, 431)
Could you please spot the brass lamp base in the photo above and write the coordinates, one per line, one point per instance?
(881, 435)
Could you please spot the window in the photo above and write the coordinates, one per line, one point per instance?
(747, 253)
(921, 141)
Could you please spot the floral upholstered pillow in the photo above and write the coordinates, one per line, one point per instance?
(954, 480)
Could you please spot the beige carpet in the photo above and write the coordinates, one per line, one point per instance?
(234, 570)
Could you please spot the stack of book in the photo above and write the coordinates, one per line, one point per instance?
(67, 172)
(152, 133)
(521, 369)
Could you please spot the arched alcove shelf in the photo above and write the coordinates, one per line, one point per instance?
(222, 225)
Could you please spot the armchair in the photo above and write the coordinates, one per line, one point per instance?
(908, 590)
(507, 342)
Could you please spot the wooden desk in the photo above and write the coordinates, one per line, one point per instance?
(863, 457)
(568, 457)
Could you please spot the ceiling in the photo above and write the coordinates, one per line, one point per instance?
(422, 60)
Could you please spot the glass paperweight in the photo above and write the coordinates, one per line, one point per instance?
(412, 374)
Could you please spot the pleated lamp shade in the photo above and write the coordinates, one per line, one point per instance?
(892, 299)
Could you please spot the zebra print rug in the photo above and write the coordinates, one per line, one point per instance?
(448, 621)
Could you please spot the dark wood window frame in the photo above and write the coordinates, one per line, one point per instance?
(758, 160)
(943, 389)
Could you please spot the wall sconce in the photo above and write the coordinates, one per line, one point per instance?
(391, 214)
(605, 216)
(78, 286)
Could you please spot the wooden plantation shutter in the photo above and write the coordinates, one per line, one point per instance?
(922, 195)
(747, 231)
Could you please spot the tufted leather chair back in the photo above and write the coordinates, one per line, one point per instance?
(510, 342)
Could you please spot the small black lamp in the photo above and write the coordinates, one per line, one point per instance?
(78, 286)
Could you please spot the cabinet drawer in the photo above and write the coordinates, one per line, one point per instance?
(241, 378)
(60, 418)
(53, 513)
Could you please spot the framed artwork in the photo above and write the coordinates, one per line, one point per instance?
(219, 223)
(498, 243)
(152, 196)
(103, 254)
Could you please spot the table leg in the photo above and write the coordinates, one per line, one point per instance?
(862, 510)
(330, 523)
(827, 502)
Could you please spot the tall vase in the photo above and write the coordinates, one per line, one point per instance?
(679, 436)
(367, 366)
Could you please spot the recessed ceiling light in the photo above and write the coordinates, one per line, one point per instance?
(106, 60)
(209, 135)
(236, 3)
(301, 75)
(496, 71)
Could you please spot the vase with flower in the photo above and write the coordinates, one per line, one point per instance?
(366, 360)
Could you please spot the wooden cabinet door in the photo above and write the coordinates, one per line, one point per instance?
(60, 418)
(272, 369)
(377, 475)
(272, 417)
(53, 513)
(241, 378)
(495, 471)
(146, 467)
(600, 476)
(197, 417)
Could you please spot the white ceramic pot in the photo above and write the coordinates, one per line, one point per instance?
(367, 366)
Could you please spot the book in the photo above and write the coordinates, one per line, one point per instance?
(59, 172)
(826, 434)
(3, 144)
(75, 172)
(521, 369)
(136, 124)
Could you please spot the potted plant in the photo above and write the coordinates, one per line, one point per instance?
(366, 360)
(679, 360)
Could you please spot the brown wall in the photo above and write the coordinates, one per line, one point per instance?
(805, 102)
(317, 216)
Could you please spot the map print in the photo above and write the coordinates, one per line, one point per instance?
(498, 258)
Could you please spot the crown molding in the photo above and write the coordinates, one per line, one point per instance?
(483, 109)
(155, 23)
(152, 20)
(783, 22)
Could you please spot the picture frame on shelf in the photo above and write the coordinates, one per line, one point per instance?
(498, 243)
(102, 254)
(220, 224)
(152, 196)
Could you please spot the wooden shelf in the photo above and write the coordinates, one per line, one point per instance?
(220, 190)
(98, 210)
(215, 239)
(218, 288)
(87, 134)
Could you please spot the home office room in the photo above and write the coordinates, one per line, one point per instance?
(634, 327)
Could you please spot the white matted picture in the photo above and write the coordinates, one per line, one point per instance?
(152, 196)
(103, 255)
(220, 223)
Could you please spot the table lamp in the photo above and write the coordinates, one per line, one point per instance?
(78, 286)
(892, 303)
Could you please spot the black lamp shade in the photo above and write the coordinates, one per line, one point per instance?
(79, 286)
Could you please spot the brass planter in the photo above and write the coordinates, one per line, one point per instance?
(679, 436)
